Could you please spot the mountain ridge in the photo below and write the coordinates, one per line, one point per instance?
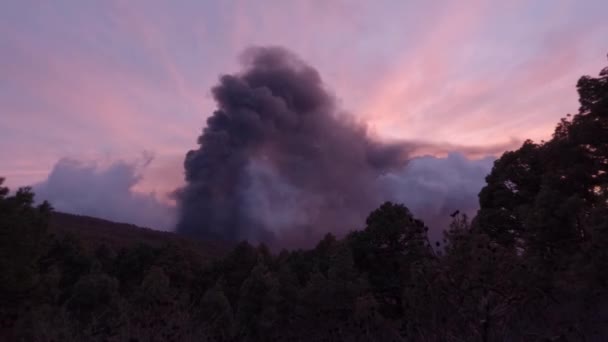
(94, 232)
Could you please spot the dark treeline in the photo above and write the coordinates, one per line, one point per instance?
(531, 266)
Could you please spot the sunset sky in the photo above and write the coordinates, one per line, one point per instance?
(99, 81)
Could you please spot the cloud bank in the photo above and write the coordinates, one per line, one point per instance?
(434, 188)
(106, 192)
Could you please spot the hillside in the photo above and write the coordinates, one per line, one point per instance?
(94, 232)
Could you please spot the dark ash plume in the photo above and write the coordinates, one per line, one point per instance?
(277, 156)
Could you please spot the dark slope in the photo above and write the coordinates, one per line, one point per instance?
(94, 232)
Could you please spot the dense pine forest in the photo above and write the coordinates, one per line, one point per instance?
(532, 265)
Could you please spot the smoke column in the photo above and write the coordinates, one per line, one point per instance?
(277, 161)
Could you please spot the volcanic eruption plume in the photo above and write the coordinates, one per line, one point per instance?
(277, 160)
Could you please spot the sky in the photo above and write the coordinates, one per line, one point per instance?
(89, 83)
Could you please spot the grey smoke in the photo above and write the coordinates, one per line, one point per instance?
(278, 161)
(433, 188)
(87, 189)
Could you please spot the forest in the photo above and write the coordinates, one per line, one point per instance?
(532, 265)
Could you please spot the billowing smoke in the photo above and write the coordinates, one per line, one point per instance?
(278, 161)
(107, 192)
(435, 188)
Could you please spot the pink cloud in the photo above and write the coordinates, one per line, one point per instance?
(413, 83)
(423, 95)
